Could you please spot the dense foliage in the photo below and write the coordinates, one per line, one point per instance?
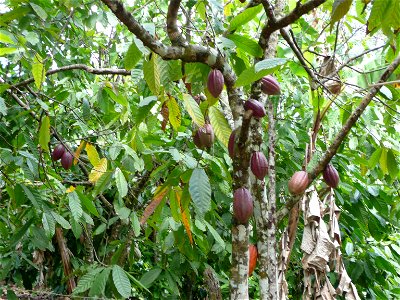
(143, 212)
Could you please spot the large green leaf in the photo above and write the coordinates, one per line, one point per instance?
(132, 57)
(87, 203)
(75, 206)
(200, 191)
(44, 133)
(38, 70)
(99, 284)
(215, 234)
(87, 280)
(220, 125)
(150, 276)
(151, 71)
(61, 220)
(269, 64)
(246, 44)
(121, 183)
(244, 17)
(393, 166)
(339, 10)
(121, 281)
(379, 11)
(193, 109)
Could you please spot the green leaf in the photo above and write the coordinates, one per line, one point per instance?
(135, 223)
(5, 38)
(244, 17)
(246, 44)
(60, 220)
(170, 71)
(383, 161)
(200, 191)
(102, 183)
(339, 10)
(33, 195)
(99, 284)
(149, 277)
(379, 12)
(193, 109)
(3, 107)
(392, 164)
(215, 234)
(151, 72)
(250, 75)
(17, 13)
(5, 51)
(132, 57)
(121, 183)
(220, 125)
(174, 113)
(39, 11)
(86, 281)
(374, 159)
(269, 64)
(44, 133)
(88, 203)
(20, 233)
(49, 224)
(38, 70)
(121, 281)
(75, 206)
(119, 98)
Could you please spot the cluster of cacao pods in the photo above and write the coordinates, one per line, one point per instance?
(204, 136)
(66, 157)
(215, 83)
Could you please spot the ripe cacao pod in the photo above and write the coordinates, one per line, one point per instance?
(256, 106)
(331, 176)
(270, 86)
(215, 83)
(196, 139)
(66, 160)
(298, 183)
(231, 145)
(253, 253)
(242, 205)
(206, 135)
(58, 152)
(259, 165)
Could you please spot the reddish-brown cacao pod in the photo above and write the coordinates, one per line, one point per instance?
(58, 152)
(215, 83)
(196, 139)
(206, 135)
(270, 86)
(66, 160)
(256, 106)
(298, 183)
(259, 165)
(231, 145)
(242, 205)
(253, 253)
(331, 176)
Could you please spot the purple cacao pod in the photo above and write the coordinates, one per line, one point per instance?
(259, 165)
(331, 176)
(58, 152)
(242, 205)
(66, 160)
(215, 83)
(256, 106)
(231, 145)
(196, 139)
(206, 135)
(298, 183)
(270, 86)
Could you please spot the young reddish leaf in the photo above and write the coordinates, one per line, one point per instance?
(185, 216)
(161, 191)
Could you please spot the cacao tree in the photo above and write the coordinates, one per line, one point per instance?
(200, 149)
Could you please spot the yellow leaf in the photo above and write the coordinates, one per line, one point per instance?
(174, 113)
(98, 170)
(92, 154)
(38, 70)
(227, 9)
(185, 216)
(70, 189)
(78, 151)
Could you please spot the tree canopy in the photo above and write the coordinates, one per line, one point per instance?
(125, 171)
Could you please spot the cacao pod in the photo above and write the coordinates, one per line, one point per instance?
(215, 83)
(256, 106)
(270, 86)
(334, 87)
(259, 165)
(242, 1)
(58, 152)
(253, 253)
(231, 145)
(242, 205)
(196, 139)
(66, 160)
(298, 183)
(331, 176)
(206, 135)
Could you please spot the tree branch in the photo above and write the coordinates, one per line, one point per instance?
(100, 71)
(172, 28)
